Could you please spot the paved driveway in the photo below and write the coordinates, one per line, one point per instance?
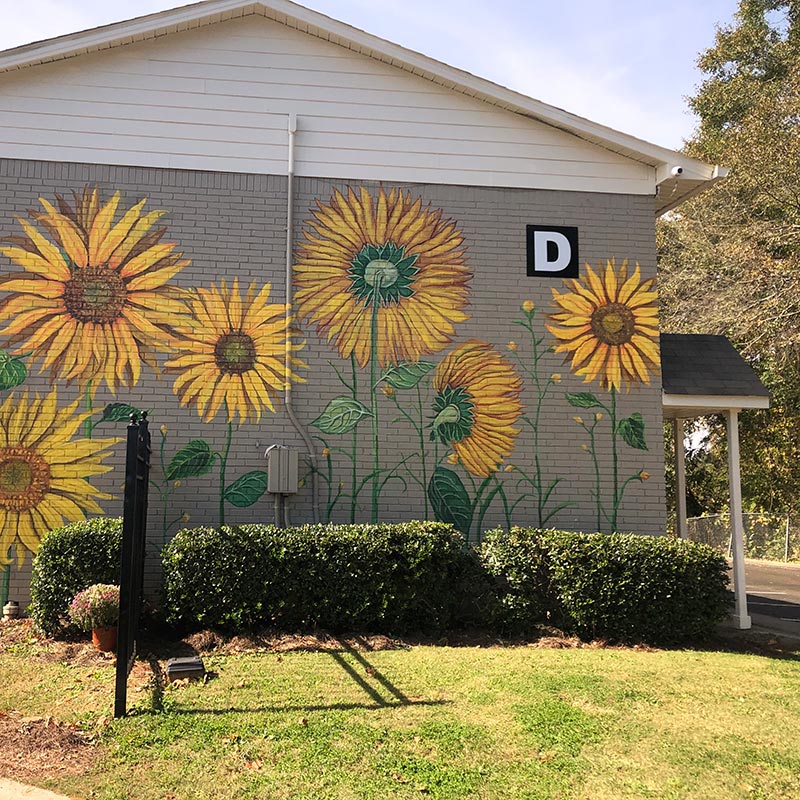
(773, 594)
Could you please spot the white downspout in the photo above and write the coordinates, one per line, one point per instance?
(287, 392)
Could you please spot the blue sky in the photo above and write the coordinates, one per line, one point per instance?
(628, 64)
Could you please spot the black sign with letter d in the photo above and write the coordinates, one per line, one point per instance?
(552, 251)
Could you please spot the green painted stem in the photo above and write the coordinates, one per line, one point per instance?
(353, 497)
(502, 493)
(483, 509)
(373, 394)
(223, 463)
(596, 479)
(540, 394)
(330, 481)
(422, 450)
(6, 580)
(87, 426)
(613, 414)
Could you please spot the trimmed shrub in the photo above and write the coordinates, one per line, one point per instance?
(622, 586)
(381, 578)
(71, 559)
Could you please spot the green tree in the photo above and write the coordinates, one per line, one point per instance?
(730, 258)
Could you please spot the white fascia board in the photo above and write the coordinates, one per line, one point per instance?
(712, 403)
(106, 36)
(314, 23)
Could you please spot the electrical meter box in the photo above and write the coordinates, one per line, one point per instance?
(282, 470)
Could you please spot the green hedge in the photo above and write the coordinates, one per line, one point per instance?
(621, 586)
(70, 559)
(380, 578)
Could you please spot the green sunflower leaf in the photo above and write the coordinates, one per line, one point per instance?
(341, 415)
(631, 429)
(450, 500)
(582, 400)
(196, 458)
(12, 371)
(244, 491)
(118, 412)
(407, 375)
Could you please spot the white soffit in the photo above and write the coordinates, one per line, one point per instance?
(684, 406)
(673, 187)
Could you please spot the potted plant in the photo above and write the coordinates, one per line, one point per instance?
(96, 609)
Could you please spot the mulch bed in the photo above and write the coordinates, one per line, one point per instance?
(35, 748)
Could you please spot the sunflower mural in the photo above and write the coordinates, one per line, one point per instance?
(607, 327)
(92, 302)
(384, 280)
(89, 300)
(44, 472)
(231, 358)
(476, 407)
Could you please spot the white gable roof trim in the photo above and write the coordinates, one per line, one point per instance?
(672, 188)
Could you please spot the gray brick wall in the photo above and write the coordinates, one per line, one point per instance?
(233, 225)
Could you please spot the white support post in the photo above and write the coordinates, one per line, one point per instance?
(741, 617)
(680, 479)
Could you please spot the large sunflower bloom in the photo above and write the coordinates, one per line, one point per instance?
(234, 353)
(386, 261)
(43, 470)
(608, 325)
(92, 301)
(476, 406)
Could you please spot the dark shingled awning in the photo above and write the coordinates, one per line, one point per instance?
(702, 375)
(698, 364)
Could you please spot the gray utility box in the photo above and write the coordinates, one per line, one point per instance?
(282, 470)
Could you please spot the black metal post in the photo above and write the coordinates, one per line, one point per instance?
(134, 521)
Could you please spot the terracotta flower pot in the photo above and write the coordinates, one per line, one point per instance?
(105, 639)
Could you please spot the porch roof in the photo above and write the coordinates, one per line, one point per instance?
(704, 374)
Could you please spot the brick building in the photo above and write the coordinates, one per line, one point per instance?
(473, 330)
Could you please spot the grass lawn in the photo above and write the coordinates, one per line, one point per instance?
(447, 722)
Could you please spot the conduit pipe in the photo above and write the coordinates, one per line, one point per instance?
(287, 392)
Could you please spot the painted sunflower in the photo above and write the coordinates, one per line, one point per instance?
(44, 471)
(388, 262)
(92, 300)
(476, 406)
(234, 352)
(607, 325)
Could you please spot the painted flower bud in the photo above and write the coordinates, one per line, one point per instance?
(388, 390)
(512, 346)
(556, 377)
(528, 306)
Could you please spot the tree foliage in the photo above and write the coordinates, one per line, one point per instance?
(730, 258)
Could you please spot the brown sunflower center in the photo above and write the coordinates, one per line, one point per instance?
(235, 353)
(613, 323)
(95, 294)
(24, 478)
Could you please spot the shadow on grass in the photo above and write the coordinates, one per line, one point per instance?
(397, 698)
(383, 706)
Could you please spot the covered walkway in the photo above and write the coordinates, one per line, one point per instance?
(701, 375)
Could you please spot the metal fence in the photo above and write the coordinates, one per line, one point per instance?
(771, 537)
